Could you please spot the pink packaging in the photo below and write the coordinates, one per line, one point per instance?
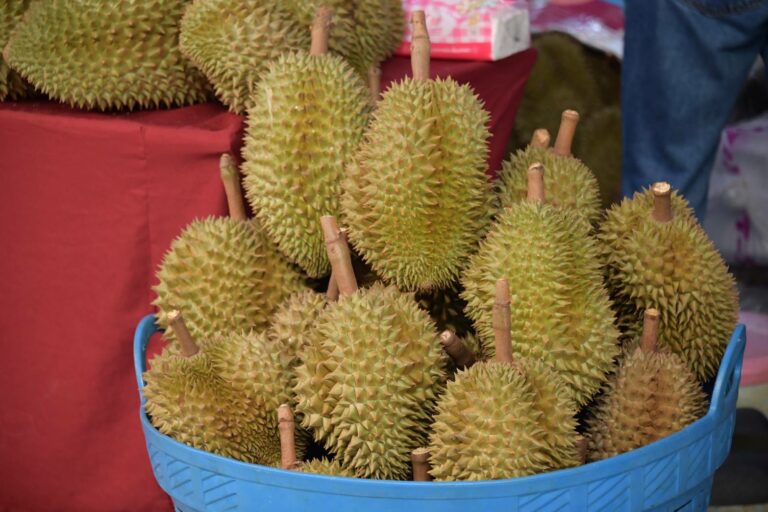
(472, 29)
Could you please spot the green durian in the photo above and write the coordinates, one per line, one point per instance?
(222, 398)
(654, 394)
(325, 467)
(292, 321)
(570, 183)
(673, 266)
(503, 419)
(233, 41)
(416, 198)
(562, 311)
(12, 86)
(122, 54)
(598, 145)
(308, 116)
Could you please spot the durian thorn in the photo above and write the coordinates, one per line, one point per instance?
(420, 46)
(230, 177)
(321, 29)
(540, 138)
(187, 342)
(332, 293)
(339, 256)
(454, 347)
(374, 83)
(581, 449)
(536, 183)
(662, 202)
(420, 463)
(287, 428)
(564, 141)
(502, 323)
(649, 338)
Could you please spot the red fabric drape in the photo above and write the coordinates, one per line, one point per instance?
(89, 203)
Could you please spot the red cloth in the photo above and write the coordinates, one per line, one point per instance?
(89, 203)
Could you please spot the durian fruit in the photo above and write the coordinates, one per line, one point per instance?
(563, 314)
(570, 184)
(657, 255)
(653, 395)
(292, 321)
(224, 272)
(503, 418)
(416, 197)
(371, 373)
(233, 41)
(12, 86)
(220, 395)
(308, 116)
(122, 54)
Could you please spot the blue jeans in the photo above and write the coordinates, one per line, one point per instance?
(685, 62)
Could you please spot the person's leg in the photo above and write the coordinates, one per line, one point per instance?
(684, 64)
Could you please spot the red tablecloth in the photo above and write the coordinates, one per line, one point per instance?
(88, 205)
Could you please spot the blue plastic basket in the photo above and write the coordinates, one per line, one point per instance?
(672, 474)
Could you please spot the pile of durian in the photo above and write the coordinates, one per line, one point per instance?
(390, 306)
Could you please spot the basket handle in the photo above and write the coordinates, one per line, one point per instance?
(726, 389)
(144, 331)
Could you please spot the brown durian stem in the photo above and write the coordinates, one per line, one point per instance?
(420, 462)
(321, 30)
(536, 183)
(453, 346)
(374, 83)
(338, 254)
(581, 447)
(662, 202)
(230, 177)
(564, 141)
(540, 138)
(420, 46)
(287, 428)
(188, 345)
(332, 293)
(650, 336)
(502, 323)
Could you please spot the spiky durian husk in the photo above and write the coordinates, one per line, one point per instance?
(307, 118)
(446, 308)
(106, 55)
(223, 399)
(12, 86)
(416, 197)
(325, 467)
(293, 320)
(561, 312)
(224, 275)
(675, 268)
(233, 41)
(598, 144)
(569, 182)
(371, 373)
(652, 396)
(503, 421)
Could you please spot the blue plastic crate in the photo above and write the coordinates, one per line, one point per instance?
(672, 474)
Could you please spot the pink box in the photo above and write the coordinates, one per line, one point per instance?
(472, 29)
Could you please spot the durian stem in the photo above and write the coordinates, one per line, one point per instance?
(287, 428)
(536, 183)
(188, 345)
(321, 29)
(453, 346)
(502, 323)
(540, 138)
(650, 336)
(662, 202)
(332, 293)
(338, 255)
(564, 141)
(230, 177)
(581, 447)
(374, 83)
(420, 46)
(420, 462)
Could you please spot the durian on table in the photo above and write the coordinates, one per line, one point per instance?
(118, 54)
(224, 273)
(653, 394)
(504, 418)
(657, 255)
(416, 196)
(307, 118)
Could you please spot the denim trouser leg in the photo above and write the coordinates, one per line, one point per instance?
(684, 64)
